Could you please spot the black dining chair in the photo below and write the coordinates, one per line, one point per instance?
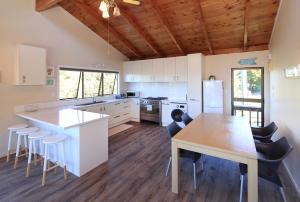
(186, 119)
(172, 129)
(270, 156)
(176, 115)
(264, 134)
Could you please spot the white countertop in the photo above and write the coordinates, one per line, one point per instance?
(63, 118)
(175, 100)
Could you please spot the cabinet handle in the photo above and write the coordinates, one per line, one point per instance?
(23, 79)
(116, 116)
(193, 99)
(125, 114)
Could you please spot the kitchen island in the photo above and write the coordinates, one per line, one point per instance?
(87, 144)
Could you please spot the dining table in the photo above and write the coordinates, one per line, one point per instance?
(222, 136)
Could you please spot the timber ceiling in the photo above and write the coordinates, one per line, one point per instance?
(162, 28)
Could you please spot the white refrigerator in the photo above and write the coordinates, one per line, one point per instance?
(213, 97)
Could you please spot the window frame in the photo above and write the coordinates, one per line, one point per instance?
(81, 81)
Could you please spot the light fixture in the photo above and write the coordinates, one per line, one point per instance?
(103, 6)
(116, 11)
(105, 14)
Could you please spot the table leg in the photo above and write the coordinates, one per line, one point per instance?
(175, 168)
(252, 181)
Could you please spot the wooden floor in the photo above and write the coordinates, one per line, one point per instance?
(135, 172)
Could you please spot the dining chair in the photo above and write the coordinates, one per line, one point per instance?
(172, 129)
(270, 156)
(264, 134)
(186, 119)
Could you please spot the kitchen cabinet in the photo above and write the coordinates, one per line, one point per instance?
(147, 71)
(169, 69)
(135, 109)
(30, 65)
(194, 90)
(181, 64)
(158, 70)
(132, 71)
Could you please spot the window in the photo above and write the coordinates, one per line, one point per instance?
(78, 83)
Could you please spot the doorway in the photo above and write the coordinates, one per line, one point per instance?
(247, 94)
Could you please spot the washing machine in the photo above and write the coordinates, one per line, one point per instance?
(168, 107)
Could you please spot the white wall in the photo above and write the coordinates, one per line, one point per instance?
(67, 41)
(220, 66)
(170, 90)
(285, 93)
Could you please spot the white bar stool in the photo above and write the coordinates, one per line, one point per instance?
(33, 138)
(55, 140)
(12, 131)
(23, 133)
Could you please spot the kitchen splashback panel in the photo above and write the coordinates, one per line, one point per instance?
(170, 90)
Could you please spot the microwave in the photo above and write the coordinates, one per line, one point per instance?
(132, 94)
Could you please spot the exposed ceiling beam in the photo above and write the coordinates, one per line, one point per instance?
(203, 25)
(246, 22)
(167, 26)
(42, 5)
(96, 15)
(142, 32)
(239, 50)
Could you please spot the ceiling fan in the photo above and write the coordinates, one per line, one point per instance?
(105, 5)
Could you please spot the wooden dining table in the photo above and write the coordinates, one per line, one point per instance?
(226, 137)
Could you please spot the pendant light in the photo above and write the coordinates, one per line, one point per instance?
(116, 11)
(105, 14)
(103, 6)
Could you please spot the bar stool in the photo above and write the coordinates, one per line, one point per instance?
(33, 138)
(12, 131)
(23, 133)
(54, 140)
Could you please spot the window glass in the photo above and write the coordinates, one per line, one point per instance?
(91, 83)
(68, 84)
(84, 84)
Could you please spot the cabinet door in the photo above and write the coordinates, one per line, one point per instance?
(158, 70)
(169, 69)
(135, 109)
(128, 71)
(136, 71)
(147, 70)
(31, 66)
(181, 68)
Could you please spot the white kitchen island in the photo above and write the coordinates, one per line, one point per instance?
(87, 144)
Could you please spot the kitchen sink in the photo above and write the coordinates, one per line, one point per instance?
(92, 103)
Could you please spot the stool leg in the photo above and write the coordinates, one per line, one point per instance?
(56, 158)
(45, 165)
(29, 158)
(18, 151)
(9, 145)
(34, 152)
(25, 145)
(41, 151)
(64, 161)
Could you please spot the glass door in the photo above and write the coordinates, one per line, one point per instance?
(247, 97)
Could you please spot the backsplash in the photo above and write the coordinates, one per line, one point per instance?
(170, 90)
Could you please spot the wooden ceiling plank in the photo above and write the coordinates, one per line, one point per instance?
(134, 23)
(246, 23)
(42, 5)
(167, 26)
(96, 15)
(203, 24)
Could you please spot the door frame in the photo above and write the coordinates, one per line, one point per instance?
(262, 100)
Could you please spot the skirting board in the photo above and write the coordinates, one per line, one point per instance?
(291, 178)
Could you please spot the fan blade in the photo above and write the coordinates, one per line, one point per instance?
(134, 2)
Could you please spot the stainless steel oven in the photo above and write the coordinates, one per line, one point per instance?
(150, 109)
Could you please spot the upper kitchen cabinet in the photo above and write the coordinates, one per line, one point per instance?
(158, 70)
(147, 71)
(181, 64)
(30, 65)
(169, 69)
(132, 71)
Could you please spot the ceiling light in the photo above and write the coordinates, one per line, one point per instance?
(103, 6)
(105, 14)
(116, 11)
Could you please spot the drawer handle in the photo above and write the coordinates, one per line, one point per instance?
(117, 117)
(125, 114)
